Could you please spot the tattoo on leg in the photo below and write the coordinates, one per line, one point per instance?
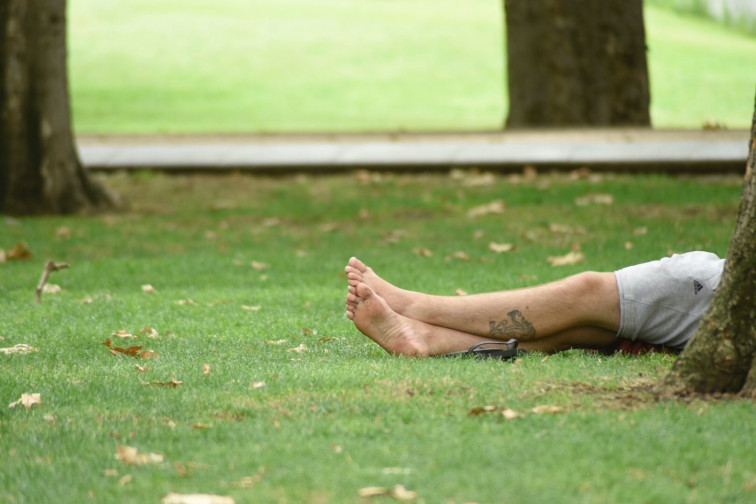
(516, 327)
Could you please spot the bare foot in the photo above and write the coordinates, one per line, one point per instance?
(373, 316)
(400, 300)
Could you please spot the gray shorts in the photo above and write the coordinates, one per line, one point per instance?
(662, 302)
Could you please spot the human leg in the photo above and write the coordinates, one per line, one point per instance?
(401, 335)
(581, 301)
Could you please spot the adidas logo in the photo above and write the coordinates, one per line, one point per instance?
(697, 287)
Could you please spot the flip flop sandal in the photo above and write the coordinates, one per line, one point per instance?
(504, 350)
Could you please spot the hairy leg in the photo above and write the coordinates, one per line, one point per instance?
(401, 335)
(584, 300)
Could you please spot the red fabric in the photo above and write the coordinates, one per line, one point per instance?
(629, 347)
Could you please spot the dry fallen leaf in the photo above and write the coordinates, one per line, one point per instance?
(276, 342)
(130, 455)
(259, 265)
(462, 256)
(27, 400)
(501, 247)
(175, 498)
(479, 410)
(509, 414)
(598, 199)
(257, 384)
(173, 383)
(573, 257)
(186, 302)
(149, 289)
(149, 332)
(123, 333)
(148, 354)
(251, 308)
(206, 369)
(63, 232)
(132, 350)
(20, 348)
(547, 408)
(398, 492)
(565, 229)
(301, 348)
(422, 252)
(19, 251)
(49, 288)
(495, 207)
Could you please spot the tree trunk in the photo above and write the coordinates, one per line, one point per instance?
(720, 356)
(577, 63)
(40, 171)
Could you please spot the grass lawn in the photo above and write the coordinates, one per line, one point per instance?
(329, 65)
(262, 390)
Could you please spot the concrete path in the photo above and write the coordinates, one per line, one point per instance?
(616, 150)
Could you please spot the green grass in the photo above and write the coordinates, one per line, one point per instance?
(301, 65)
(343, 415)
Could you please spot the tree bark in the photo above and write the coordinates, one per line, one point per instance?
(40, 171)
(720, 356)
(577, 63)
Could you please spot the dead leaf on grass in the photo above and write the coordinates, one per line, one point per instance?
(175, 498)
(63, 232)
(565, 229)
(596, 199)
(172, 383)
(494, 207)
(299, 349)
(257, 384)
(27, 400)
(149, 332)
(547, 408)
(276, 342)
(20, 348)
(148, 289)
(462, 256)
(460, 292)
(259, 266)
(206, 369)
(572, 257)
(186, 302)
(19, 251)
(131, 351)
(479, 410)
(123, 333)
(509, 414)
(49, 288)
(398, 492)
(501, 247)
(422, 252)
(251, 308)
(148, 354)
(130, 455)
